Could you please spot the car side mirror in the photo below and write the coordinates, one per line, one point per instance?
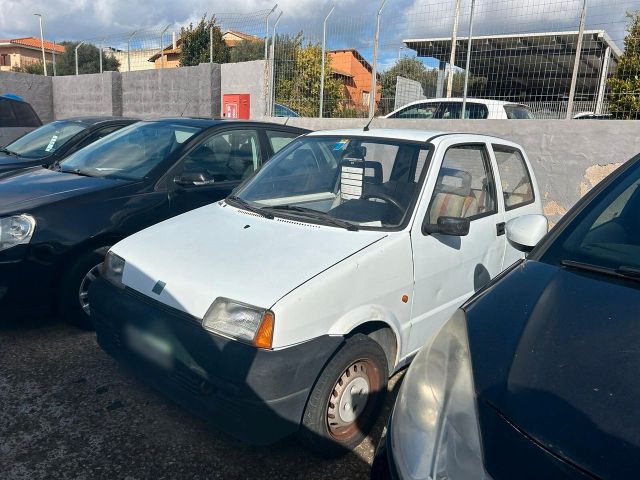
(453, 226)
(524, 232)
(191, 179)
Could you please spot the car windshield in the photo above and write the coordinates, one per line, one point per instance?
(606, 233)
(518, 112)
(342, 181)
(45, 140)
(130, 153)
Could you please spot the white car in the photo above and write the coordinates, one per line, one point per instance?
(451, 108)
(287, 306)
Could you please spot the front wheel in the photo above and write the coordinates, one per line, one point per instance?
(346, 399)
(73, 294)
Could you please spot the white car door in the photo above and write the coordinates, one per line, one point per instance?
(519, 190)
(449, 269)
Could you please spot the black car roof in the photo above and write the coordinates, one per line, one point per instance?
(94, 120)
(212, 122)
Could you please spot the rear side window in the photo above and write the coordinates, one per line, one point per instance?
(473, 111)
(518, 112)
(279, 140)
(7, 116)
(423, 110)
(517, 187)
(25, 116)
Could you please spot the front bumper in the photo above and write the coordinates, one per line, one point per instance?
(255, 395)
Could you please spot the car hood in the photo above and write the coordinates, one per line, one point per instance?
(222, 251)
(27, 189)
(560, 362)
(15, 162)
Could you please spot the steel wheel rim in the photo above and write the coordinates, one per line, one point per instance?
(351, 399)
(83, 292)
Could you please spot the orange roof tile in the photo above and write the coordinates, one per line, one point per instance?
(35, 43)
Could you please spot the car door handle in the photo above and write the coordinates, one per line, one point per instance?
(500, 228)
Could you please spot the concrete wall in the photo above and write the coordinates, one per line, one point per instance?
(35, 89)
(568, 157)
(187, 91)
(94, 94)
(246, 77)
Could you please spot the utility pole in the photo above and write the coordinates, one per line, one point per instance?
(44, 59)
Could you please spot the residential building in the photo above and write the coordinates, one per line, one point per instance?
(355, 72)
(21, 52)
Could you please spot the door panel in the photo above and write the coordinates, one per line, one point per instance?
(449, 269)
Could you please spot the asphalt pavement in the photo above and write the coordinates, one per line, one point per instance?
(67, 410)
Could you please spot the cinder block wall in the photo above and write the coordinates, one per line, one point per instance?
(94, 94)
(569, 157)
(35, 89)
(187, 91)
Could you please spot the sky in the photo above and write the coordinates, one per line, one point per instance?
(351, 24)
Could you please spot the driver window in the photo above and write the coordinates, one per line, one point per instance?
(225, 157)
(465, 186)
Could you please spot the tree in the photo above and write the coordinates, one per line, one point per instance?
(298, 78)
(88, 60)
(34, 68)
(247, 50)
(195, 43)
(407, 67)
(624, 86)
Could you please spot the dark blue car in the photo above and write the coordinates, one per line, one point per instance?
(536, 377)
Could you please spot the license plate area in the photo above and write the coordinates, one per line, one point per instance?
(149, 346)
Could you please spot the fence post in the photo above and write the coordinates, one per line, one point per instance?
(602, 85)
(54, 59)
(101, 49)
(129, 50)
(324, 50)
(272, 88)
(266, 32)
(210, 44)
(576, 63)
(162, 46)
(454, 42)
(374, 69)
(468, 63)
(76, 52)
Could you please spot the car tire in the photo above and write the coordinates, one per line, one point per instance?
(335, 419)
(72, 293)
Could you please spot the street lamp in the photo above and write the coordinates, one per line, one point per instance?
(44, 60)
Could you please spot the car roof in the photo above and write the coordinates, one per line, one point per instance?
(212, 122)
(94, 120)
(401, 134)
(483, 101)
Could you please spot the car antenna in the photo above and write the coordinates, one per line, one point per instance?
(366, 127)
(287, 120)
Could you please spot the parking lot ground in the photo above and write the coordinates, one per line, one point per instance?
(67, 410)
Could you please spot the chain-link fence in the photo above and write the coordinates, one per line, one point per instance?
(465, 59)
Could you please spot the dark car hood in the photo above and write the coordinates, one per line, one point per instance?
(561, 361)
(14, 162)
(37, 186)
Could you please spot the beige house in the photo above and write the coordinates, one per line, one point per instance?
(22, 52)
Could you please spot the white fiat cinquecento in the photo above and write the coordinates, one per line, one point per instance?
(287, 306)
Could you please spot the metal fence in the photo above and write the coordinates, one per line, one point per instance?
(558, 58)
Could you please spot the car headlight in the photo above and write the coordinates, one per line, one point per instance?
(112, 269)
(16, 230)
(434, 431)
(240, 321)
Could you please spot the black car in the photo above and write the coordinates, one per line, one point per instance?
(57, 140)
(57, 224)
(536, 377)
(17, 117)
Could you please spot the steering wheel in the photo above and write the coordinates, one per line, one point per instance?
(386, 198)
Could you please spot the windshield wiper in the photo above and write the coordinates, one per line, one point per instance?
(310, 212)
(77, 171)
(7, 151)
(626, 272)
(247, 206)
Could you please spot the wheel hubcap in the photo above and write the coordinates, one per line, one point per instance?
(83, 293)
(349, 398)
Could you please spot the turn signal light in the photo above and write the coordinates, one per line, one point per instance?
(264, 335)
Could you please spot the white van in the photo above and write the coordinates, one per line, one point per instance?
(287, 306)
